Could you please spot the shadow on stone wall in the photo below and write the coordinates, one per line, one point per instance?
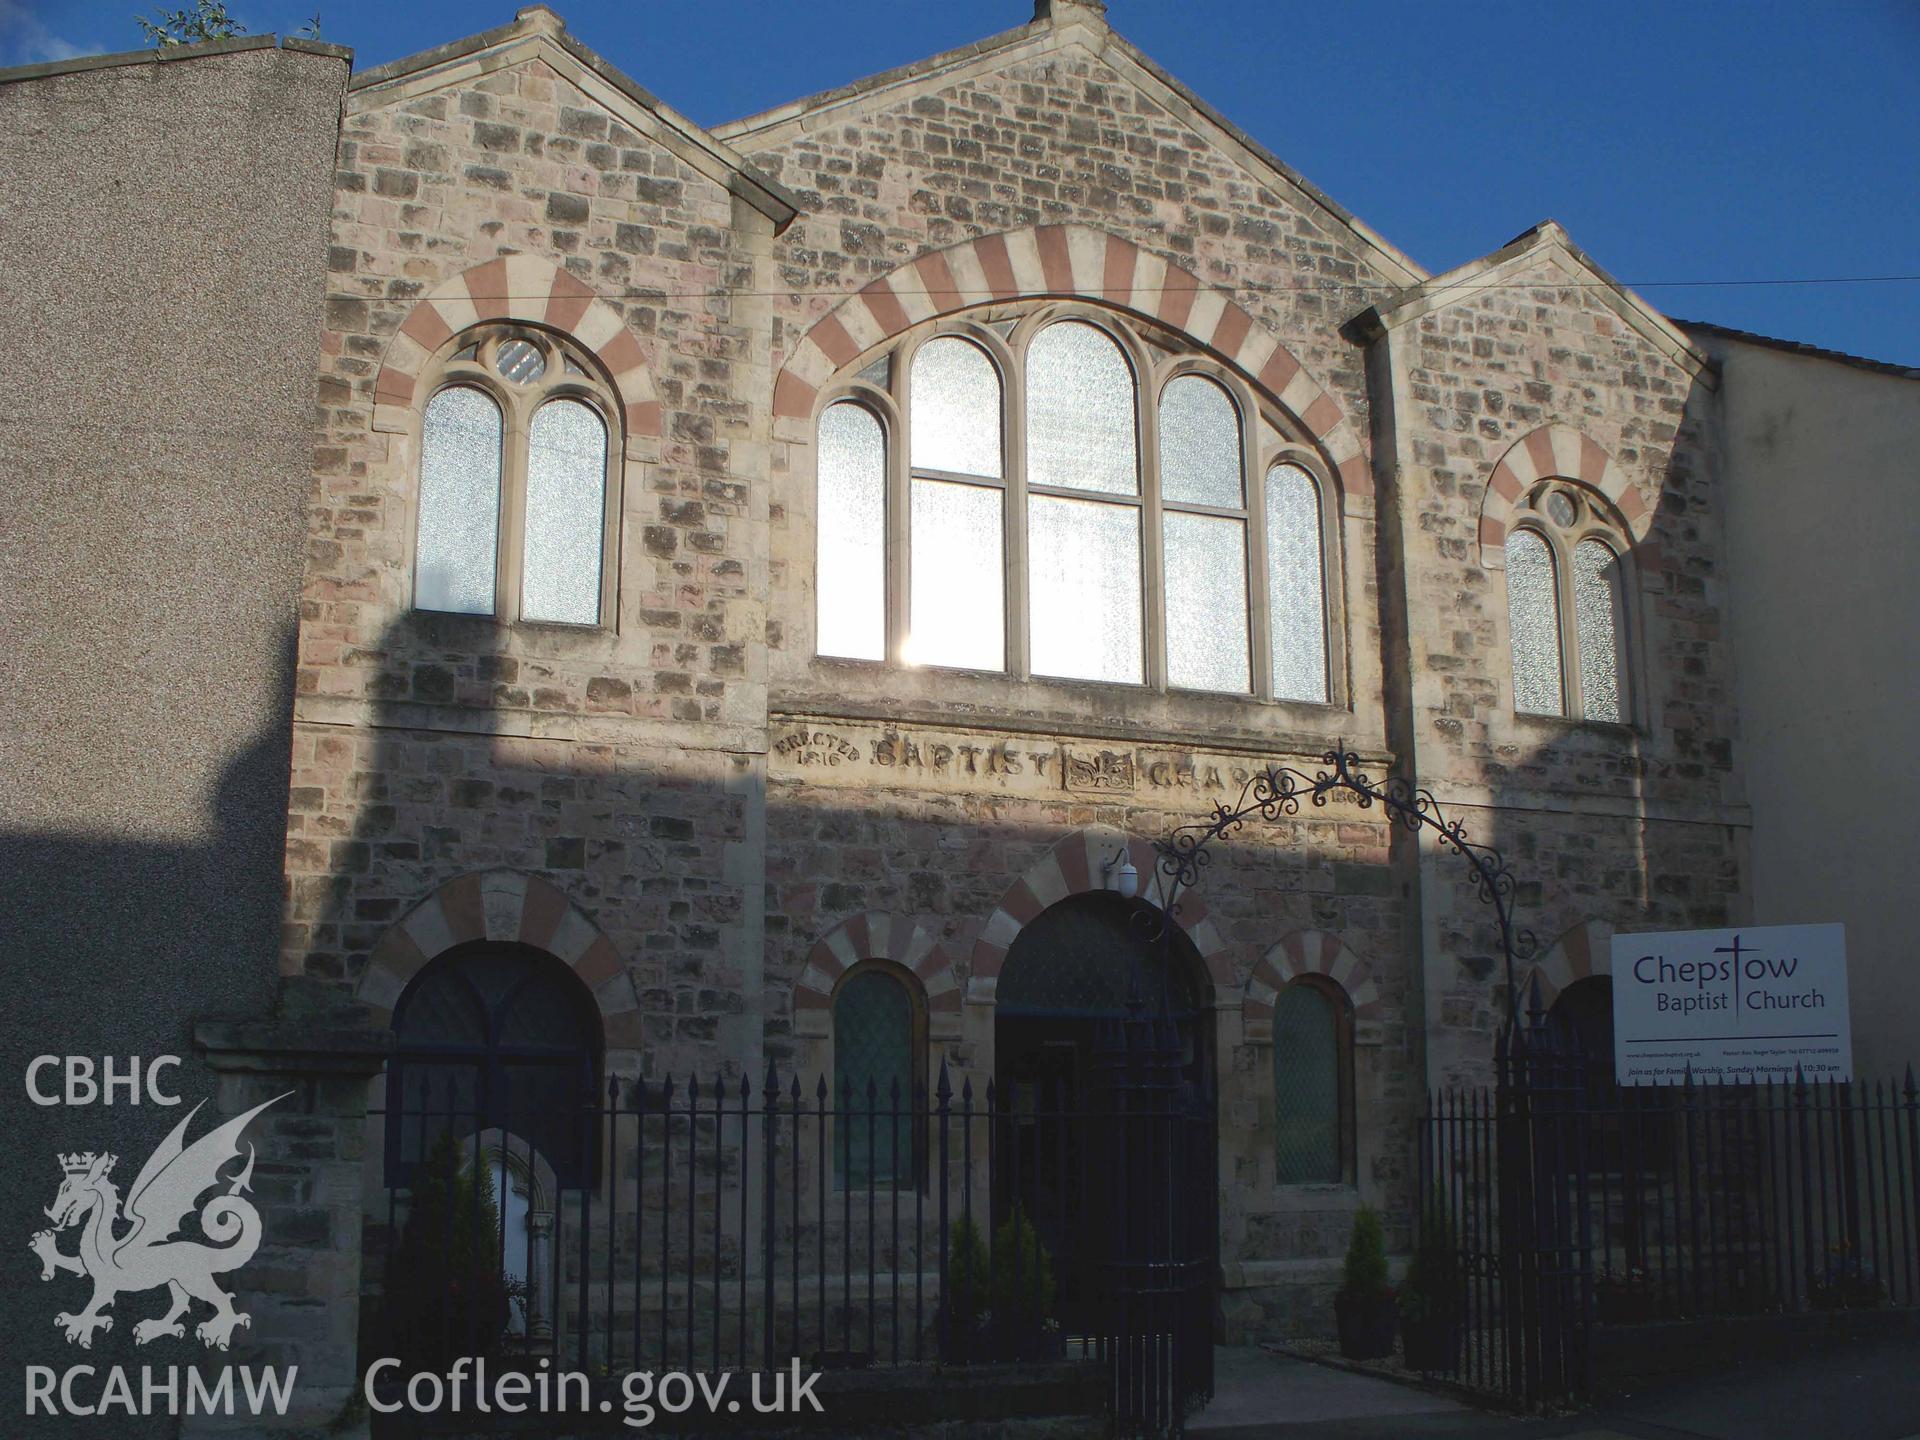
(114, 947)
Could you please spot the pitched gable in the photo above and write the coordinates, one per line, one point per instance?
(1548, 249)
(1072, 28)
(539, 34)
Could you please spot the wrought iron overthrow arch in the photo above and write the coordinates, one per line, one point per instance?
(1279, 790)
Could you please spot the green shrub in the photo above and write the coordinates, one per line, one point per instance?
(445, 1295)
(968, 1284)
(1365, 1270)
(1024, 1286)
(1432, 1290)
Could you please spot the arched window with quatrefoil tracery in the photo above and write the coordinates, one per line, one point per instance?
(1567, 605)
(519, 481)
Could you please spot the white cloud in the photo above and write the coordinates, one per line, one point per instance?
(26, 40)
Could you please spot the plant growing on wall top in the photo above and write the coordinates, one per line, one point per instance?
(207, 20)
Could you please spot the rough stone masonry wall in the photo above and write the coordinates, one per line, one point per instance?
(1055, 138)
(1062, 138)
(1637, 827)
(609, 770)
(942, 850)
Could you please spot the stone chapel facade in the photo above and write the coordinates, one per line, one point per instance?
(768, 589)
(694, 737)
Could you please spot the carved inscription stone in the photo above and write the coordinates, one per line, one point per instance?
(861, 753)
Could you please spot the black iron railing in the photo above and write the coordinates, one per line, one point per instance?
(1570, 1202)
(728, 1225)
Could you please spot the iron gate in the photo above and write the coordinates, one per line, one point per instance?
(1568, 1203)
(729, 1226)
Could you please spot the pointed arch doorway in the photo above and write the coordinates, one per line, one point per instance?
(1103, 1079)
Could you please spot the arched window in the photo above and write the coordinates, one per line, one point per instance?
(490, 1038)
(1076, 501)
(1312, 1084)
(518, 482)
(1567, 606)
(852, 556)
(957, 508)
(877, 1040)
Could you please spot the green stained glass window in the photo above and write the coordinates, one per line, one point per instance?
(873, 1045)
(1306, 1087)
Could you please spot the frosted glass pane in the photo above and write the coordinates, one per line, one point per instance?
(957, 612)
(1080, 420)
(1306, 1087)
(851, 552)
(1207, 603)
(1533, 623)
(955, 415)
(1083, 583)
(1296, 586)
(566, 509)
(459, 503)
(1597, 617)
(1199, 444)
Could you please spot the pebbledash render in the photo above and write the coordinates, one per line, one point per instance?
(748, 770)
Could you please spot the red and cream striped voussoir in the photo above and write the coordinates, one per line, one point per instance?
(1066, 261)
(1556, 451)
(1307, 952)
(877, 935)
(536, 292)
(503, 906)
(1074, 867)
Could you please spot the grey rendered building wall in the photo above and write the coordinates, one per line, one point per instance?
(1823, 467)
(162, 280)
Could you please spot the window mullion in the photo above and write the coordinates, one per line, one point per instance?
(1569, 628)
(899, 524)
(1259, 596)
(1014, 422)
(1153, 610)
(610, 517)
(513, 512)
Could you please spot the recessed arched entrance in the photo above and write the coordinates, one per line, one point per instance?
(1103, 1079)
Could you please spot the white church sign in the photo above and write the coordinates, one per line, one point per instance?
(1749, 1004)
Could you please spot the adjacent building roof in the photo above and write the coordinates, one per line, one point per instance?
(1795, 347)
(538, 33)
(165, 54)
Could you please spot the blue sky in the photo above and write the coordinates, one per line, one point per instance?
(1690, 140)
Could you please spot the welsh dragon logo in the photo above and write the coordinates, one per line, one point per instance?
(144, 1254)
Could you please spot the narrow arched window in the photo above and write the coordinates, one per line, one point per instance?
(1296, 585)
(851, 569)
(874, 1048)
(1312, 1085)
(1203, 502)
(957, 509)
(566, 510)
(518, 482)
(459, 502)
(1085, 609)
(1567, 605)
(1599, 612)
(1533, 625)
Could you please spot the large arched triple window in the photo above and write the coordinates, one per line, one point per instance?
(1059, 496)
(1567, 606)
(518, 482)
